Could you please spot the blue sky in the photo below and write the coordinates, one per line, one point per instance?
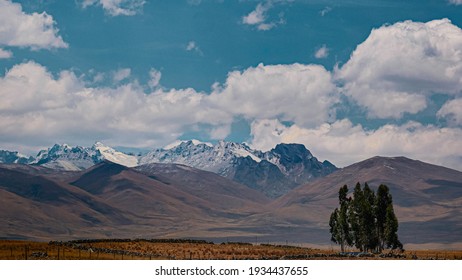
(349, 79)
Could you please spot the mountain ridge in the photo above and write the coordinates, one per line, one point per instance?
(274, 172)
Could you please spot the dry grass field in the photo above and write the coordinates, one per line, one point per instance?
(186, 250)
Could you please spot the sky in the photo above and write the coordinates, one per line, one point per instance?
(348, 79)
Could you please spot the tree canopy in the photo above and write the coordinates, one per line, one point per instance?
(365, 220)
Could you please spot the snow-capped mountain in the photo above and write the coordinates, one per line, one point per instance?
(218, 158)
(14, 157)
(112, 155)
(274, 172)
(65, 157)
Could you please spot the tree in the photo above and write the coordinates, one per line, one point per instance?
(334, 228)
(391, 229)
(343, 222)
(366, 220)
(339, 224)
(383, 201)
(356, 218)
(369, 222)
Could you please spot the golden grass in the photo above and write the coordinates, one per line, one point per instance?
(145, 250)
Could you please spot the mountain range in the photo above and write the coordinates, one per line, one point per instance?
(42, 200)
(274, 173)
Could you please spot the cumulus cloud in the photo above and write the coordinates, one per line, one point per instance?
(456, 2)
(193, 47)
(38, 107)
(259, 16)
(5, 54)
(393, 72)
(344, 143)
(35, 31)
(322, 52)
(399, 66)
(121, 74)
(117, 7)
(304, 94)
(220, 132)
(154, 78)
(64, 108)
(452, 111)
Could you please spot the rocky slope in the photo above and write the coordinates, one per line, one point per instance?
(274, 172)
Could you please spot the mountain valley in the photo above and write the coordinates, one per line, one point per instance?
(167, 199)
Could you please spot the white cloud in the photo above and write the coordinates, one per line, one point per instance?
(344, 143)
(266, 26)
(98, 77)
(38, 107)
(220, 132)
(456, 2)
(398, 66)
(154, 78)
(325, 11)
(121, 74)
(5, 54)
(258, 17)
(452, 111)
(301, 93)
(192, 46)
(35, 31)
(117, 7)
(322, 52)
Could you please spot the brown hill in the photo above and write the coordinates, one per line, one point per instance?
(427, 198)
(209, 186)
(35, 206)
(175, 201)
(180, 201)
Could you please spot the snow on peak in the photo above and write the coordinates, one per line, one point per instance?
(65, 157)
(14, 157)
(98, 144)
(110, 154)
(194, 142)
(219, 158)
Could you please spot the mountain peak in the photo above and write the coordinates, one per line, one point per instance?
(382, 161)
(274, 172)
(99, 144)
(292, 151)
(183, 143)
(289, 164)
(114, 156)
(65, 157)
(14, 157)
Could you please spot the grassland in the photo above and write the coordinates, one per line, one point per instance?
(185, 250)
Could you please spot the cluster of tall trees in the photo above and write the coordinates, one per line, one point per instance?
(365, 220)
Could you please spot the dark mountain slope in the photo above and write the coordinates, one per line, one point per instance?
(425, 196)
(218, 191)
(36, 205)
